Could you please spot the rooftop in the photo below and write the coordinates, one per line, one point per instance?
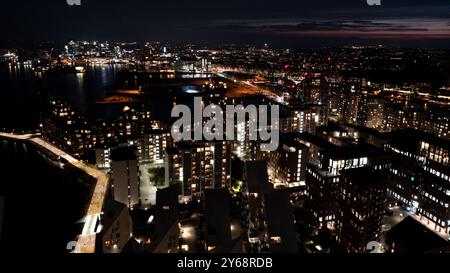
(112, 210)
(257, 176)
(411, 137)
(291, 141)
(364, 176)
(123, 153)
(317, 141)
(413, 237)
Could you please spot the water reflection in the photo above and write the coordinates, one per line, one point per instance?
(18, 106)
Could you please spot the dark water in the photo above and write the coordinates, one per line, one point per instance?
(18, 106)
(43, 202)
(19, 85)
(82, 90)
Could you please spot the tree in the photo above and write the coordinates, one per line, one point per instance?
(157, 176)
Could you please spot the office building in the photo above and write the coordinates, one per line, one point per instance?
(433, 120)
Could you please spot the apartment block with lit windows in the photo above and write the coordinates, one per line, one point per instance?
(256, 185)
(302, 119)
(375, 113)
(125, 176)
(360, 210)
(198, 166)
(269, 212)
(152, 144)
(323, 180)
(279, 217)
(165, 238)
(116, 228)
(434, 120)
(287, 165)
(103, 157)
(430, 199)
(65, 127)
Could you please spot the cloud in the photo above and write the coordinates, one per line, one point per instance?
(343, 28)
(339, 26)
(399, 19)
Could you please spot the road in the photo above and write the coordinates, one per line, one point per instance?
(238, 88)
(399, 214)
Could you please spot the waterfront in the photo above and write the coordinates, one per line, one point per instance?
(32, 186)
(20, 87)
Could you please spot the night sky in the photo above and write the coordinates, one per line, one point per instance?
(277, 22)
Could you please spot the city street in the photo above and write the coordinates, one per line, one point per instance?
(399, 214)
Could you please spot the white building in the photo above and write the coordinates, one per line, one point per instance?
(125, 176)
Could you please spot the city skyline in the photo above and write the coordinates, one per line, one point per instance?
(342, 115)
(244, 128)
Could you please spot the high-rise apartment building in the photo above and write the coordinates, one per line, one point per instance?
(361, 207)
(199, 166)
(125, 176)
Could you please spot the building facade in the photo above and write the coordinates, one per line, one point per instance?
(125, 176)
